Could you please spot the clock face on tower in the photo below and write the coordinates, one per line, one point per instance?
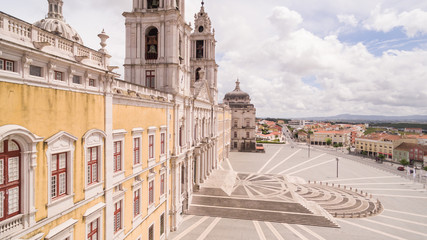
(201, 28)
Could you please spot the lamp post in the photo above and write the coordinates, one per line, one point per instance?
(309, 145)
(337, 166)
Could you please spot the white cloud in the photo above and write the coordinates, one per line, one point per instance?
(413, 22)
(285, 19)
(273, 45)
(348, 20)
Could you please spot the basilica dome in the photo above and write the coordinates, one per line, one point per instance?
(236, 94)
(55, 23)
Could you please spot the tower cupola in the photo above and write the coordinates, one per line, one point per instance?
(55, 23)
(55, 9)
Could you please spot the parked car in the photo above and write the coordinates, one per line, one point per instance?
(401, 168)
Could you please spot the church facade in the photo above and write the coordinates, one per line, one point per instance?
(85, 155)
(243, 129)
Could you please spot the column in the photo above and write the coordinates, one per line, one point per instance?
(198, 169)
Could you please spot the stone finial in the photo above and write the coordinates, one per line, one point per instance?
(237, 85)
(103, 36)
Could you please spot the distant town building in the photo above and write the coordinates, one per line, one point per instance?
(297, 123)
(412, 152)
(336, 137)
(414, 130)
(380, 144)
(243, 120)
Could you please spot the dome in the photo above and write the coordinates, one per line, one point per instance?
(55, 23)
(236, 93)
(60, 28)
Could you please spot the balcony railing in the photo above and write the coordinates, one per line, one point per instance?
(11, 225)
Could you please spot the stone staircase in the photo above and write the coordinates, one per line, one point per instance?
(340, 201)
(216, 203)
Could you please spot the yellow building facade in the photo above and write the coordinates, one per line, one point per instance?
(84, 155)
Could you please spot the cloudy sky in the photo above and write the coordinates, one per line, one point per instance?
(295, 58)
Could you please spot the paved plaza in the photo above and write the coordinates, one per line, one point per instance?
(289, 193)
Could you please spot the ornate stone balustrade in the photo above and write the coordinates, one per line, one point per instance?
(11, 225)
(133, 90)
(16, 30)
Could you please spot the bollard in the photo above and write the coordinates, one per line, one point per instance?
(333, 185)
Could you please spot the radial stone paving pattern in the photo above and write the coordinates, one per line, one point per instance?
(277, 198)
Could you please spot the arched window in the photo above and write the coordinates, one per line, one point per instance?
(198, 74)
(10, 179)
(152, 4)
(18, 160)
(151, 48)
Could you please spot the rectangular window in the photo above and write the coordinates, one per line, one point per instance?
(91, 82)
(151, 146)
(35, 71)
(150, 78)
(117, 216)
(150, 192)
(162, 224)
(162, 184)
(136, 151)
(136, 202)
(7, 65)
(77, 79)
(200, 48)
(117, 156)
(58, 76)
(93, 230)
(162, 143)
(92, 165)
(59, 175)
(151, 233)
(247, 134)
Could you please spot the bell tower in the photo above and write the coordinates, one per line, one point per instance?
(203, 45)
(156, 45)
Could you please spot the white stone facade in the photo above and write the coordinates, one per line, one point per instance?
(163, 52)
(243, 126)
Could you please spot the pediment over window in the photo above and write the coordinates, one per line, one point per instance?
(203, 91)
(61, 141)
(94, 137)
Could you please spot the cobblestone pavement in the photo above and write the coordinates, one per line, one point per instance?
(404, 201)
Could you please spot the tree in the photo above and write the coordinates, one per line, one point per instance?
(328, 141)
(404, 162)
(381, 157)
(425, 168)
(340, 145)
(335, 145)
